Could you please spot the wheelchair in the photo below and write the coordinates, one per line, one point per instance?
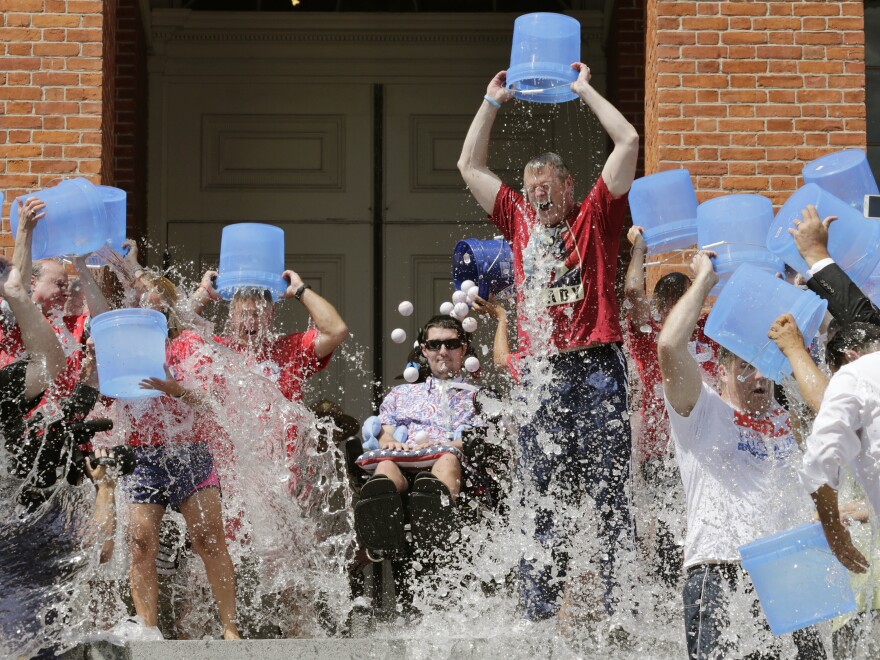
(381, 582)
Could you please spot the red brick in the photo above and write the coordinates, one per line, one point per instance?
(780, 81)
(816, 9)
(740, 168)
(824, 38)
(85, 6)
(818, 96)
(54, 49)
(740, 38)
(743, 8)
(56, 20)
(756, 183)
(741, 125)
(779, 139)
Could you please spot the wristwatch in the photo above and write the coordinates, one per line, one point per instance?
(301, 290)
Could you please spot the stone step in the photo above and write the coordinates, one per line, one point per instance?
(506, 648)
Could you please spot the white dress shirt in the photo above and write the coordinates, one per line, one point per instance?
(847, 431)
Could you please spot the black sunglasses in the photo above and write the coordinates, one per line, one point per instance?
(437, 344)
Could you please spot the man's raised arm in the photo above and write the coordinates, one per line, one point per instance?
(620, 168)
(46, 355)
(682, 382)
(473, 162)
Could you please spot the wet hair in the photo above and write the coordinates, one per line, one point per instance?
(252, 293)
(549, 159)
(37, 266)
(447, 323)
(725, 356)
(852, 337)
(670, 288)
(168, 293)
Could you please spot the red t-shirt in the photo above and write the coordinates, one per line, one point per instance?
(288, 361)
(70, 332)
(655, 432)
(580, 295)
(167, 419)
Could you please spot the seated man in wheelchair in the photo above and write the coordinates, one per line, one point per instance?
(419, 431)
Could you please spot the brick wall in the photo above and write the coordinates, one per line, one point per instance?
(744, 93)
(130, 152)
(50, 95)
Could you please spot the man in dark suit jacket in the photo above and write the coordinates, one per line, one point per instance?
(846, 302)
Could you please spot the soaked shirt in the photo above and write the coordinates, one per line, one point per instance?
(739, 475)
(439, 408)
(287, 361)
(165, 419)
(847, 431)
(579, 291)
(653, 437)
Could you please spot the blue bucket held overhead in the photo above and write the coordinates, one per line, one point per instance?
(76, 220)
(545, 45)
(798, 580)
(845, 174)
(665, 204)
(735, 228)
(251, 255)
(115, 200)
(852, 239)
(129, 347)
(746, 308)
(488, 263)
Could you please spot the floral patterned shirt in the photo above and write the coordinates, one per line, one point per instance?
(440, 408)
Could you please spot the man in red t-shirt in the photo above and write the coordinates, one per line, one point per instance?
(565, 266)
(287, 360)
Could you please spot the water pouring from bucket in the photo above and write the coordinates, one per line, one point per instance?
(544, 47)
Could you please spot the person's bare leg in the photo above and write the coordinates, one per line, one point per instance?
(390, 470)
(143, 534)
(448, 470)
(204, 521)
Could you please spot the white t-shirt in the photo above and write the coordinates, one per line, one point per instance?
(847, 430)
(740, 481)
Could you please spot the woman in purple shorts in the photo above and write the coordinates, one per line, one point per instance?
(175, 467)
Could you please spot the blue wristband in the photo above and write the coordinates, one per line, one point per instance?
(492, 101)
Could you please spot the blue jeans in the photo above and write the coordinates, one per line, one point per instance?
(706, 620)
(584, 411)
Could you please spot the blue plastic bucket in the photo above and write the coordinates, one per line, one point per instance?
(251, 255)
(735, 228)
(845, 174)
(129, 346)
(852, 239)
(798, 580)
(76, 220)
(746, 308)
(115, 200)
(489, 264)
(544, 47)
(665, 204)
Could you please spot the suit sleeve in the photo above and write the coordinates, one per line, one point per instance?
(846, 302)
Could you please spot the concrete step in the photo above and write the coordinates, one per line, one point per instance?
(506, 648)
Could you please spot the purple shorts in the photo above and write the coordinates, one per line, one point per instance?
(170, 474)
